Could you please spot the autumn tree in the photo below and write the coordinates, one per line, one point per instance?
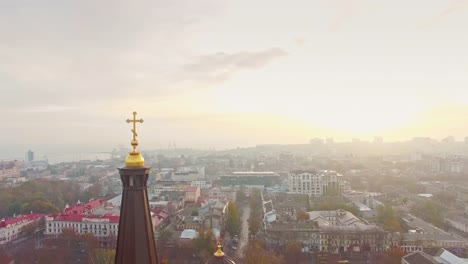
(292, 252)
(38, 196)
(389, 218)
(233, 223)
(302, 216)
(393, 257)
(257, 254)
(164, 236)
(103, 256)
(30, 228)
(255, 219)
(205, 243)
(255, 223)
(431, 212)
(4, 257)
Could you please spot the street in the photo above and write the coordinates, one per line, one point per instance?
(244, 233)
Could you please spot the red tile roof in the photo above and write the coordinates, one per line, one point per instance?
(21, 218)
(79, 218)
(80, 209)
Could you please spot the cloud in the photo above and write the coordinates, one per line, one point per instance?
(90, 51)
(218, 67)
(453, 7)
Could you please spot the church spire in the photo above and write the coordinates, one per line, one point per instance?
(135, 241)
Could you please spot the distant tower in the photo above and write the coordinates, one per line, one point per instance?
(29, 156)
(135, 242)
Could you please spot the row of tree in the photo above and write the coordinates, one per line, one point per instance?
(256, 208)
(43, 197)
(68, 246)
(233, 222)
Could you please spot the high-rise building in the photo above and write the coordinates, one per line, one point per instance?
(316, 183)
(29, 156)
(135, 241)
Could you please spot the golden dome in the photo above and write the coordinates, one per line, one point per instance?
(134, 159)
(219, 252)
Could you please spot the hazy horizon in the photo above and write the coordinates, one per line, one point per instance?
(211, 74)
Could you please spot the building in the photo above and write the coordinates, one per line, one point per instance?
(188, 174)
(452, 165)
(249, 180)
(29, 157)
(87, 218)
(222, 194)
(418, 257)
(192, 194)
(458, 222)
(11, 229)
(278, 235)
(9, 169)
(341, 231)
(420, 241)
(316, 183)
(443, 256)
(202, 184)
(359, 238)
(102, 227)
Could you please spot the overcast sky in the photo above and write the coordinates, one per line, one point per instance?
(230, 73)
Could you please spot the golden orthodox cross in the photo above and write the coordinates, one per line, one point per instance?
(134, 131)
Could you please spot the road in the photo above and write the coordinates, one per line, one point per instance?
(244, 234)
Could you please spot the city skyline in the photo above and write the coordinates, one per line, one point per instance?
(224, 75)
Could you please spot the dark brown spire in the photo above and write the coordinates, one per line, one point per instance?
(135, 242)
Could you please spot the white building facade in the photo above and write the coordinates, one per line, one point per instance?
(316, 183)
(104, 228)
(11, 229)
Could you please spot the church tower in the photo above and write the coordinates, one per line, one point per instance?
(135, 242)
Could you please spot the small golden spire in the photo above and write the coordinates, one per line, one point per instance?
(219, 252)
(134, 158)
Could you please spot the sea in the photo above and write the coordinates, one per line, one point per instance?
(54, 158)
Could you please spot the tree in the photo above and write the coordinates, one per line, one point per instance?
(205, 243)
(430, 211)
(38, 196)
(293, 252)
(255, 223)
(389, 218)
(393, 257)
(164, 236)
(233, 223)
(4, 257)
(103, 256)
(30, 228)
(257, 254)
(302, 216)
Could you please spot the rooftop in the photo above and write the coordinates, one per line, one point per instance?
(419, 257)
(189, 234)
(22, 218)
